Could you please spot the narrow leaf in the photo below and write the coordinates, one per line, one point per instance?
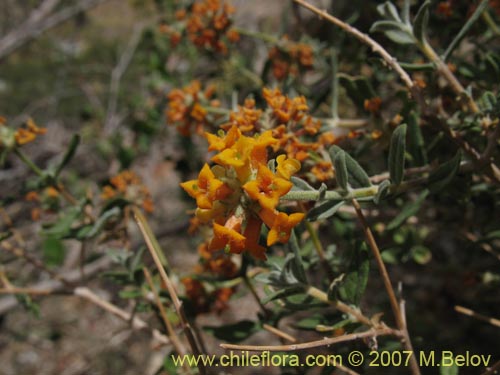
(70, 152)
(397, 154)
(416, 144)
(389, 11)
(443, 175)
(341, 169)
(300, 184)
(324, 210)
(408, 210)
(283, 293)
(357, 176)
(383, 190)
(421, 22)
(406, 12)
(461, 34)
(395, 31)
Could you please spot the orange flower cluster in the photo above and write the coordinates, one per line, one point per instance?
(207, 24)
(246, 119)
(28, 134)
(290, 58)
(293, 123)
(186, 108)
(241, 192)
(129, 186)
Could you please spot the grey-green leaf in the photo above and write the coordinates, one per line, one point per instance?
(300, 184)
(397, 154)
(416, 144)
(389, 11)
(357, 177)
(443, 175)
(324, 210)
(408, 210)
(397, 32)
(383, 190)
(421, 22)
(341, 169)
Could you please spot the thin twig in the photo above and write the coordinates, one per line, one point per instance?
(279, 333)
(29, 291)
(116, 76)
(484, 318)
(136, 323)
(364, 38)
(400, 321)
(20, 253)
(154, 250)
(73, 276)
(176, 342)
(179, 347)
(313, 344)
(341, 306)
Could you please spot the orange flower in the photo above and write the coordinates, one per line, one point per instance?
(185, 108)
(207, 23)
(267, 188)
(289, 58)
(280, 225)
(252, 234)
(286, 167)
(206, 188)
(24, 136)
(223, 142)
(227, 239)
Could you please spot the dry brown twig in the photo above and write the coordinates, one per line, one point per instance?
(314, 344)
(472, 313)
(364, 38)
(150, 243)
(397, 312)
(279, 333)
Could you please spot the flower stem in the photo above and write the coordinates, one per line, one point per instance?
(26, 160)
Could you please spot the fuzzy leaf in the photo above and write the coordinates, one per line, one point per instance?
(421, 22)
(300, 184)
(324, 210)
(416, 144)
(397, 154)
(341, 169)
(443, 175)
(383, 190)
(395, 31)
(388, 10)
(357, 176)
